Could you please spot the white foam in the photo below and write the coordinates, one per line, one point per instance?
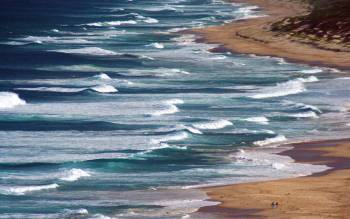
(174, 137)
(70, 212)
(174, 101)
(53, 89)
(177, 29)
(302, 106)
(219, 124)
(101, 216)
(10, 100)
(111, 23)
(269, 141)
(308, 80)
(170, 107)
(74, 175)
(248, 12)
(150, 20)
(93, 51)
(309, 114)
(258, 119)
(221, 57)
(158, 72)
(105, 89)
(157, 45)
(286, 88)
(189, 128)
(278, 166)
(312, 71)
(281, 89)
(185, 40)
(165, 145)
(193, 130)
(14, 43)
(161, 8)
(102, 76)
(281, 61)
(59, 40)
(22, 190)
(311, 107)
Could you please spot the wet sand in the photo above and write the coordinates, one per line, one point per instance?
(253, 36)
(322, 195)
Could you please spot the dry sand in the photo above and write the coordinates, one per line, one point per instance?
(324, 195)
(253, 36)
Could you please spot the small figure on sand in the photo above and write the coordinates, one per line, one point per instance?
(274, 204)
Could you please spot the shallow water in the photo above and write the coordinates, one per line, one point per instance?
(107, 112)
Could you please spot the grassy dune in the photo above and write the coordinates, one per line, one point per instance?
(328, 21)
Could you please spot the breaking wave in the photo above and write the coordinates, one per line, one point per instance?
(174, 137)
(269, 141)
(92, 51)
(104, 89)
(157, 45)
(170, 107)
(219, 124)
(111, 23)
(259, 119)
(283, 89)
(22, 190)
(74, 175)
(53, 89)
(10, 100)
(103, 76)
(312, 71)
(310, 114)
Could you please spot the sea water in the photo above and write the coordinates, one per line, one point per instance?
(108, 111)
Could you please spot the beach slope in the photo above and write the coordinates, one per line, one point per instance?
(278, 34)
(323, 195)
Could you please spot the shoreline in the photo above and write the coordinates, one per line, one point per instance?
(253, 36)
(319, 195)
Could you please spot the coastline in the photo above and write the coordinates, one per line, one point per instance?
(320, 195)
(253, 36)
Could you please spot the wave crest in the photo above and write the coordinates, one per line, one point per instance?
(111, 23)
(283, 89)
(170, 107)
(92, 51)
(103, 76)
(10, 100)
(74, 175)
(104, 89)
(219, 124)
(269, 141)
(22, 190)
(258, 119)
(175, 137)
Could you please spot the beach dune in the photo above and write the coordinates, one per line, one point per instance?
(254, 36)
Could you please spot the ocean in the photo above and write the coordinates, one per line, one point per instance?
(108, 111)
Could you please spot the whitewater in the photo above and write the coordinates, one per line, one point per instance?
(111, 109)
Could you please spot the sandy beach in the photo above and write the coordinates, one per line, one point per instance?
(322, 195)
(253, 36)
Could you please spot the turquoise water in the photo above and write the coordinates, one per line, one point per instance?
(106, 111)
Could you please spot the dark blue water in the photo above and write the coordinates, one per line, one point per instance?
(107, 111)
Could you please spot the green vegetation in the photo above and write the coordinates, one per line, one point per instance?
(328, 20)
